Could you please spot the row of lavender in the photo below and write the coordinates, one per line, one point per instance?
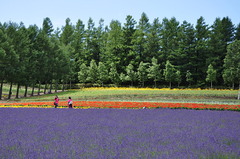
(114, 133)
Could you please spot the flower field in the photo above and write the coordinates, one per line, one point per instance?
(116, 123)
(123, 105)
(144, 95)
(118, 133)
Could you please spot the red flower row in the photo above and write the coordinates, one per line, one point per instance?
(117, 104)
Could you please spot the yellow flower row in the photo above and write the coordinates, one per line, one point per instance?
(39, 106)
(129, 88)
(24, 106)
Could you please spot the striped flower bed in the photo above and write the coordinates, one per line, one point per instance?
(119, 105)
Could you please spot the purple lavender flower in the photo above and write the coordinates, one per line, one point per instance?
(118, 133)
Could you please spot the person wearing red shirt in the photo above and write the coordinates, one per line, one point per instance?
(56, 100)
(70, 102)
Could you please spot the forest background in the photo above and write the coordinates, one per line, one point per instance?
(159, 53)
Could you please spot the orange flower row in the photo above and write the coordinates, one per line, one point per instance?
(118, 104)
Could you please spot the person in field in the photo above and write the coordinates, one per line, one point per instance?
(70, 102)
(56, 100)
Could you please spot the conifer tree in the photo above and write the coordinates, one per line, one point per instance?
(197, 62)
(221, 35)
(128, 32)
(140, 40)
(237, 33)
(114, 47)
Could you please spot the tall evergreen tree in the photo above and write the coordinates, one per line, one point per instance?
(237, 34)
(199, 57)
(153, 40)
(77, 45)
(21, 45)
(66, 39)
(67, 33)
(114, 47)
(47, 26)
(101, 41)
(221, 35)
(3, 41)
(12, 59)
(91, 46)
(170, 41)
(8, 56)
(185, 52)
(32, 34)
(140, 39)
(128, 32)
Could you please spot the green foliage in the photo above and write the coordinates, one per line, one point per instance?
(114, 47)
(113, 74)
(67, 33)
(154, 71)
(189, 78)
(128, 32)
(83, 73)
(77, 44)
(170, 40)
(231, 73)
(221, 35)
(43, 55)
(237, 34)
(169, 73)
(131, 74)
(103, 73)
(47, 26)
(211, 74)
(122, 77)
(178, 77)
(142, 72)
(93, 75)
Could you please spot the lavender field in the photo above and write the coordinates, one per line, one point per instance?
(118, 133)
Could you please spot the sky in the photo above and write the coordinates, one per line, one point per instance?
(32, 12)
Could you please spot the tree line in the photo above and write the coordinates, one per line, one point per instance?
(137, 53)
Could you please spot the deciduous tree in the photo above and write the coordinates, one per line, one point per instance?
(169, 73)
(142, 72)
(211, 75)
(154, 71)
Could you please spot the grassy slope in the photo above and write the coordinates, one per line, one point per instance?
(155, 95)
